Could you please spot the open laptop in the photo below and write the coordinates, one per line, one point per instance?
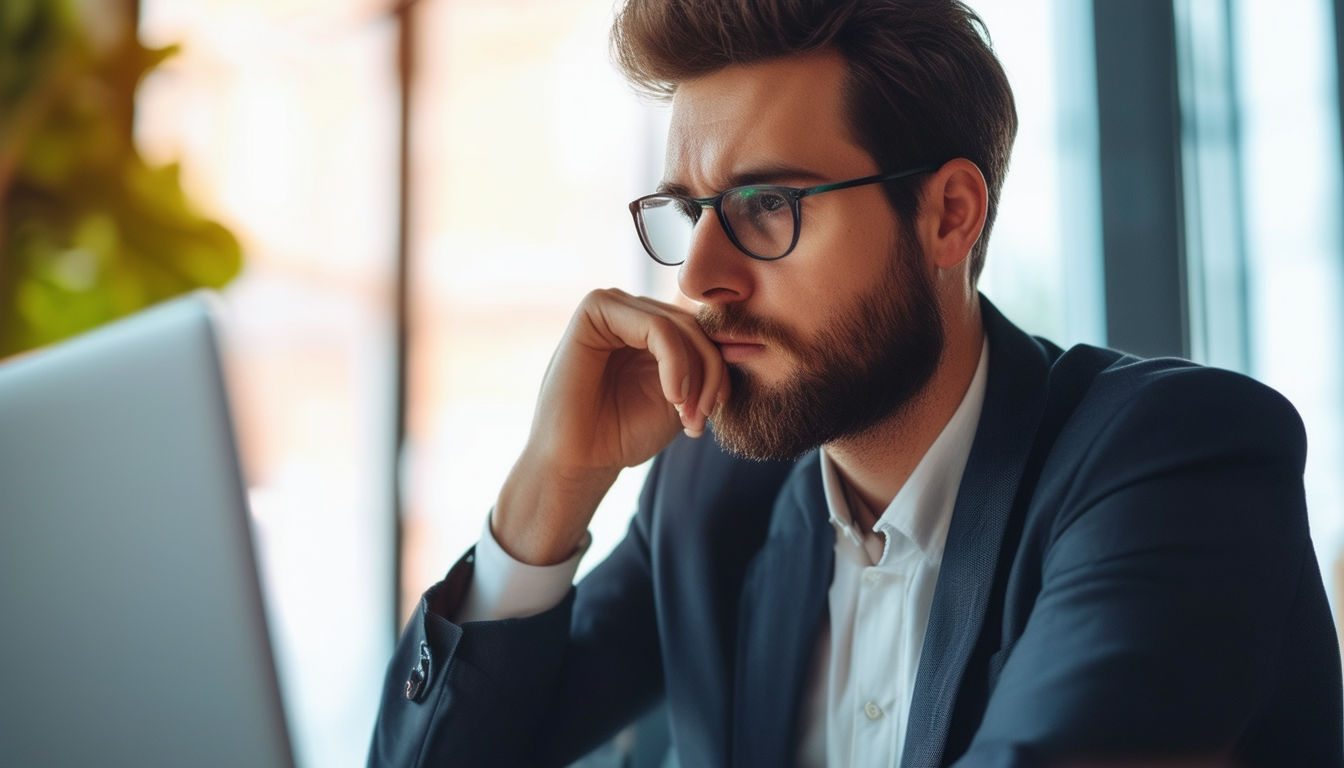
(132, 631)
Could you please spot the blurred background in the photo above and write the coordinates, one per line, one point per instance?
(404, 202)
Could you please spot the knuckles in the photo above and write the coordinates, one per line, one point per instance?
(619, 317)
(600, 296)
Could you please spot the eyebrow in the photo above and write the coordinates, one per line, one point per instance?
(767, 175)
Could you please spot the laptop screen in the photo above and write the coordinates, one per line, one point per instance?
(132, 631)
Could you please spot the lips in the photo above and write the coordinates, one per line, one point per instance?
(736, 350)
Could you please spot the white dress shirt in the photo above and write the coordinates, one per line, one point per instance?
(858, 698)
(867, 655)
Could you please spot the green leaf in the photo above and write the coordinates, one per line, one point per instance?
(88, 231)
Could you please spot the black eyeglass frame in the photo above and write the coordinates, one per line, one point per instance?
(794, 195)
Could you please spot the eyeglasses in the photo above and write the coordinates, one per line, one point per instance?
(762, 220)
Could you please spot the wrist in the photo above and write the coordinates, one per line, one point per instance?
(543, 510)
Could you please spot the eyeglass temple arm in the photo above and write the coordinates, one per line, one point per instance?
(866, 180)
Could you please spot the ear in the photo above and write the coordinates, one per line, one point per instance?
(952, 212)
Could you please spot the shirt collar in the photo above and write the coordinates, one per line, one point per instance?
(922, 509)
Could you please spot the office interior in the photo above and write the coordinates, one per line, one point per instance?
(406, 200)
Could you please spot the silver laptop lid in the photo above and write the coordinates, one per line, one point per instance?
(132, 631)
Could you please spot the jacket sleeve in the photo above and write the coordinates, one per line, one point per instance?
(1180, 602)
(536, 691)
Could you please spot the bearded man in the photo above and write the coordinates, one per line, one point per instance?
(916, 536)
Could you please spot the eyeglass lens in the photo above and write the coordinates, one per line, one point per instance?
(759, 218)
(667, 224)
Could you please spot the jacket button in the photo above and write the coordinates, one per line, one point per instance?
(415, 683)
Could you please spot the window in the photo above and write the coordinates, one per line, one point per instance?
(283, 117)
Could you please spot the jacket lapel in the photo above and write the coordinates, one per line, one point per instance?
(1014, 399)
(783, 603)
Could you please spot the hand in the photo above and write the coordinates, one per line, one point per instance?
(628, 374)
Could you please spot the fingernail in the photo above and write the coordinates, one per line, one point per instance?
(686, 387)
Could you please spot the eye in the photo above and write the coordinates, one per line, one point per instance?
(771, 202)
(759, 201)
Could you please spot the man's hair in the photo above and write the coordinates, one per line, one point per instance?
(923, 87)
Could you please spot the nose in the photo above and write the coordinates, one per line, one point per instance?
(715, 271)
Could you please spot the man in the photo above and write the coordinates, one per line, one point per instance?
(917, 536)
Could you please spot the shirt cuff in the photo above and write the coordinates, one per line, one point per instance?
(504, 588)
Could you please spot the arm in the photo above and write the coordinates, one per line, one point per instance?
(538, 690)
(628, 375)
(1171, 579)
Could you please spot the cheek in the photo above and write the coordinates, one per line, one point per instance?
(847, 265)
(865, 227)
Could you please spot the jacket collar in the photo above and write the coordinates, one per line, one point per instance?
(1015, 397)
(782, 605)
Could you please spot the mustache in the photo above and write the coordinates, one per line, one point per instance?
(735, 320)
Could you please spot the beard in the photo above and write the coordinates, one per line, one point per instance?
(867, 365)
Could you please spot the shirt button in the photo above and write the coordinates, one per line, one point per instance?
(872, 577)
(873, 711)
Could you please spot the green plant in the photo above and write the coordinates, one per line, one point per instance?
(88, 230)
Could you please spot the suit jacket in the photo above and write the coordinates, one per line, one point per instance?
(1128, 572)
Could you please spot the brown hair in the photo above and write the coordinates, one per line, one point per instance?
(924, 85)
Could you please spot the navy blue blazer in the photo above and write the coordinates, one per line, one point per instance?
(1128, 572)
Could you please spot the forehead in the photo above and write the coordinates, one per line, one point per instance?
(742, 120)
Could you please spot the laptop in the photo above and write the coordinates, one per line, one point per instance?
(132, 630)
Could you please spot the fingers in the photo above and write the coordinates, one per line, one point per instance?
(691, 373)
(714, 383)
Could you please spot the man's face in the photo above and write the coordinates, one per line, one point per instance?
(845, 330)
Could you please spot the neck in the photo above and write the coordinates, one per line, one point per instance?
(875, 464)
